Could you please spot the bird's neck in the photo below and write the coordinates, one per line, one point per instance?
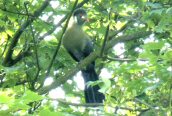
(73, 24)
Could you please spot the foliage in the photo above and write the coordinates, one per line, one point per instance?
(136, 75)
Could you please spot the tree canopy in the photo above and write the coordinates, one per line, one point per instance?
(132, 50)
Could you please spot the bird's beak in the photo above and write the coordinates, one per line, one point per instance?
(87, 20)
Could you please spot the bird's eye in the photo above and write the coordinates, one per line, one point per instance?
(81, 15)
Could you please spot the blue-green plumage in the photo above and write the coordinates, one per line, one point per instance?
(79, 46)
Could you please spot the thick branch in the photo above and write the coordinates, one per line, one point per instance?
(96, 105)
(92, 57)
(79, 104)
(21, 55)
(8, 61)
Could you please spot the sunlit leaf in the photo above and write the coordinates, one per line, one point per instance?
(138, 68)
(47, 112)
(30, 96)
(154, 45)
(5, 98)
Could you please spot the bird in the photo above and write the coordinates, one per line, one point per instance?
(79, 45)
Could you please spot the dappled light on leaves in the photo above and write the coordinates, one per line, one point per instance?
(132, 41)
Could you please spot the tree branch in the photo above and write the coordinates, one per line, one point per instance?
(142, 102)
(122, 59)
(92, 57)
(59, 44)
(82, 3)
(23, 53)
(64, 29)
(6, 44)
(62, 20)
(130, 109)
(105, 41)
(8, 61)
(5, 85)
(79, 104)
(124, 27)
(96, 105)
(17, 13)
(36, 52)
(54, 28)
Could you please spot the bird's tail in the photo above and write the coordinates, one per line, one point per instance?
(92, 95)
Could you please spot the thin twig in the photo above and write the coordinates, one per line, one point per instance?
(123, 59)
(124, 27)
(17, 13)
(61, 21)
(37, 105)
(146, 104)
(36, 51)
(54, 28)
(60, 41)
(6, 44)
(170, 97)
(82, 3)
(8, 61)
(142, 102)
(105, 40)
(131, 109)
(5, 85)
(105, 37)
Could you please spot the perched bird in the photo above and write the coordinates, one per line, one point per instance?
(79, 46)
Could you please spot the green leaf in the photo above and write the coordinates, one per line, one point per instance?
(154, 45)
(168, 55)
(47, 112)
(5, 113)
(130, 78)
(148, 55)
(169, 11)
(106, 85)
(18, 105)
(157, 11)
(154, 5)
(5, 98)
(153, 87)
(30, 96)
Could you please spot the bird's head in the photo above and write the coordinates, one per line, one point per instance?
(80, 16)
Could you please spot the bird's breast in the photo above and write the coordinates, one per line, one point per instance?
(75, 39)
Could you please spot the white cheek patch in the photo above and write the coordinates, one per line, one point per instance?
(82, 16)
(75, 19)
